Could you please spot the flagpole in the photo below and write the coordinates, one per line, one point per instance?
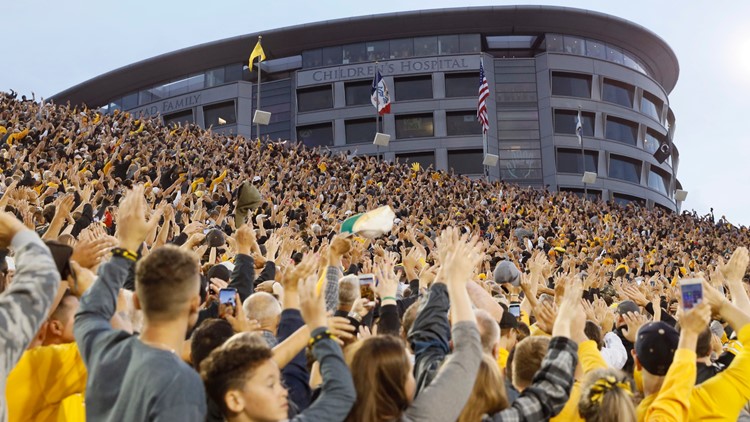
(583, 155)
(377, 108)
(257, 106)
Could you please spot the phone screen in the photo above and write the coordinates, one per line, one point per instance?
(515, 309)
(692, 294)
(366, 281)
(227, 302)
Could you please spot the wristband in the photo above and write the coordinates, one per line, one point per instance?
(355, 316)
(124, 253)
(322, 336)
(383, 299)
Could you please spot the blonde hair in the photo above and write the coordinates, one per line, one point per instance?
(488, 396)
(606, 395)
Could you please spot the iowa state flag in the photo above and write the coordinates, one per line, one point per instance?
(379, 96)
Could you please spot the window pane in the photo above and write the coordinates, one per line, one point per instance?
(624, 200)
(332, 56)
(448, 44)
(181, 118)
(378, 50)
(414, 88)
(354, 53)
(651, 106)
(414, 126)
(554, 42)
(470, 43)
(360, 131)
(315, 135)
(145, 97)
(219, 114)
(312, 58)
(402, 48)
(466, 161)
(593, 195)
(624, 168)
(215, 77)
(652, 141)
(614, 54)
(621, 130)
(233, 72)
(358, 93)
(618, 93)
(461, 85)
(596, 49)
(571, 85)
(196, 82)
(565, 122)
(317, 98)
(462, 123)
(130, 101)
(574, 45)
(425, 159)
(571, 161)
(657, 182)
(425, 46)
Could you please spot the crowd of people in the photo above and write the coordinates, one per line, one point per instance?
(488, 301)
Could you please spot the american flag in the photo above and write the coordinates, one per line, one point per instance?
(484, 94)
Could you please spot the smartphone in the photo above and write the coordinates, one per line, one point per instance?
(515, 309)
(366, 281)
(692, 292)
(227, 302)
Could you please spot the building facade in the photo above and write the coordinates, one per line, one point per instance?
(543, 65)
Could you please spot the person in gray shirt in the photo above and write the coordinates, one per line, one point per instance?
(141, 378)
(24, 306)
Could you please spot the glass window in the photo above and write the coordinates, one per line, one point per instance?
(652, 141)
(413, 88)
(130, 101)
(316, 98)
(565, 122)
(468, 161)
(378, 50)
(414, 126)
(215, 77)
(574, 45)
(596, 49)
(219, 114)
(462, 123)
(181, 118)
(196, 82)
(354, 53)
(571, 161)
(332, 56)
(461, 85)
(145, 97)
(470, 43)
(425, 46)
(315, 135)
(629, 61)
(233, 72)
(621, 130)
(360, 131)
(358, 93)
(312, 58)
(593, 194)
(425, 159)
(651, 106)
(658, 181)
(571, 84)
(618, 92)
(624, 168)
(402, 48)
(554, 42)
(614, 54)
(448, 44)
(624, 200)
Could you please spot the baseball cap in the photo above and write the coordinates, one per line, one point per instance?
(506, 272)
(628, 306)
(655, 347)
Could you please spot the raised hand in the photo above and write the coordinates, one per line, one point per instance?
(312, 304)
(570, 317)
(132, 227)
(634, 323)
(734, 270)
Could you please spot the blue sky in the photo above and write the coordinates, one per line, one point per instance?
(52, 45)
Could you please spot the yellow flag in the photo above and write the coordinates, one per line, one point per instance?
(257, 52)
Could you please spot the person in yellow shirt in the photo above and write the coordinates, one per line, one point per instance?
(719, 398)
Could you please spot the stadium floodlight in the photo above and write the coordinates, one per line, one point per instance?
(589, 177)
(381, 139)
(680, 195)
(490, 160)
(261, 117)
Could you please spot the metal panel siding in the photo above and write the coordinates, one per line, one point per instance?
(275, 95)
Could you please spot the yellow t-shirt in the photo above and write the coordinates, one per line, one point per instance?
(672, 403)
(47, 383)
(720, 398)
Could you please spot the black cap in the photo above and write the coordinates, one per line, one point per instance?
(655, 347)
